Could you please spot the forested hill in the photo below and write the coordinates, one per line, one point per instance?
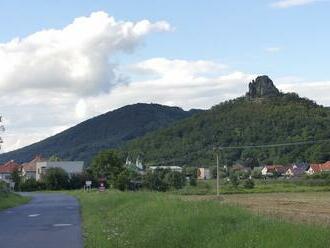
(83, 141)
(263, 116)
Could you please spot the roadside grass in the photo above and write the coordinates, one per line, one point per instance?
(147, 219)
(208, 187)
(9, 200)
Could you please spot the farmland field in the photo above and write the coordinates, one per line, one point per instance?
(146, 219)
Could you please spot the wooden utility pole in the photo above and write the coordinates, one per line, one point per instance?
(217, 173)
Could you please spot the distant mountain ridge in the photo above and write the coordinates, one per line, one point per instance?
(108, 130)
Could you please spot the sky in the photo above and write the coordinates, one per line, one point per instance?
(62, 62)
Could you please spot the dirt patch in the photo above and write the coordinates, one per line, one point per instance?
(299, 207)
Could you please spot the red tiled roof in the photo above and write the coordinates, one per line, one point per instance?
(32, 165)
(325, 166)
(316, 167)
(278, 168)
(9, 167)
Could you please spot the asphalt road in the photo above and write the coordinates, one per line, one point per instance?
(49, 220)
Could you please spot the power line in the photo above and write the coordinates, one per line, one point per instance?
(275, 145)
(183, 159)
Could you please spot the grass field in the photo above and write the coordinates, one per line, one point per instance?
(145, 219)
(8, 200)
(208, 187)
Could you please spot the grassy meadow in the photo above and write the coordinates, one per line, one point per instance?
(208, 187)
(146, 219)
(8, 200)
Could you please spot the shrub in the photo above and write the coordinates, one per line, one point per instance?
(154, 180)
(175, 179)
(32, 185)
(123, 180)
(234, 179)
(77, 181)
(56, 179)
(192, 181)
(249, 184)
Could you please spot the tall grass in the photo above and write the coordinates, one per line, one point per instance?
(115, 219)
(208, 187)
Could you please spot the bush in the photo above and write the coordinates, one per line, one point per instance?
(56, 179)
(123, 180)
(77, 181)
(192, 181)
(32, 185)
(175, 179)
(234, 179)
(154, 180)
(249, 184)
(256, 174)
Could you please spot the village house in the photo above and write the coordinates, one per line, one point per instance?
(70, 167)
(7, 169)
(203, 174)
(29, 170)
(270, 170)
(296, 170)
(318, 168)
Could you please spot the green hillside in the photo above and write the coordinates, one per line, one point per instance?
(109, 130)
(263, 116)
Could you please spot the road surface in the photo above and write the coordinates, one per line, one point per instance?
(49, 220)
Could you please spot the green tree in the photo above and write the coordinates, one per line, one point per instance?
(54, 158)
(16, 178)
(107, 164)
(56, 179)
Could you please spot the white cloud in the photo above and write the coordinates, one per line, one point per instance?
(74, 59)
(188, 84)
(273, 49)
(314, 90)
(283, 4)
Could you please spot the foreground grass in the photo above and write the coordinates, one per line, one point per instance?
(115, 219)
(8, 200)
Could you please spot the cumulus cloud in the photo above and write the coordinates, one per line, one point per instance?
(188, 84)
(283, 4)
(314, 90)
(74, 59)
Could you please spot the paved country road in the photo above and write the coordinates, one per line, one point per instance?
(49, 220)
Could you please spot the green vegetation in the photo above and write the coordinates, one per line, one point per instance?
(260, 186)
(243, 121)
(121, 219)
(109, 130)
(9, 200)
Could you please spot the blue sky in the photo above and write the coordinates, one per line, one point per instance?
(66, 61)
(233, 32)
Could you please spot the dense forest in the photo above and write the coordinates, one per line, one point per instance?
(109, 130)
(246, 120)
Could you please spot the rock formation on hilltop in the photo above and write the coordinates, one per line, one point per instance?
(262, 86)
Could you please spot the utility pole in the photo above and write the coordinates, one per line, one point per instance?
(217, 173)
(218, 153)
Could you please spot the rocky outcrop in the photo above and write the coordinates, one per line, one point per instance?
(262, 86)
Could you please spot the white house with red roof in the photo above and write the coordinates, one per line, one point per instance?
(29, 170)
(7, 169)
